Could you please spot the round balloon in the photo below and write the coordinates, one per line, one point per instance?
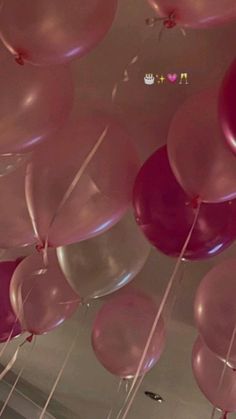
(207, 369)
(227, 106)
(198, 155)
(41, 297)
(54, 31)
(215, 309)
(165, 213)
(120, 333)
(34, 103)
(71, 200)
(9, 325)
(102, 265)
(195, 14)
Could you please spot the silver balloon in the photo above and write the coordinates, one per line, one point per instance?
(103, 264)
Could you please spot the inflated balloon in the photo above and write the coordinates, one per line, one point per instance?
(194, 14)
(15, 224)
(215, 309)
(71, 200)
(9, 325)
(121, 330)
(198, 155)
(34, 103)
(165, 213)
(207, 369)
(54, 31)
(102, 265)
(227, 106)
(41, 297)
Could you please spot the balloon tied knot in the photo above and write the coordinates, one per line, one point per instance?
(225, 415)
(194, 202)
(40, 247)
(21, 56)
(170, 21)
(30, 338)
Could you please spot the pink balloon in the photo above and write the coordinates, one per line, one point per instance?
(121, 330)
(100, 196)
(207, 369)
(9, 326)
(15, 225)
(165, 213)
(215, 309)
(227, 106)
(198, 155)
(195, 14)
(54, 31)
(41, 297)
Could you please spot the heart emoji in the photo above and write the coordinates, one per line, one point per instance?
(172, 77)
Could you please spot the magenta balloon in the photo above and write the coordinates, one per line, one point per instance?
(54, 31)
(165, 213)
(227, 106)
(215, 309)
(196, 14)
(207, 369)
(121, 330)
(198, 155)
(9, 326)
(101, 195)
(41, 297)
(34, 102)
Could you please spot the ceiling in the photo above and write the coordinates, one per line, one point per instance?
(86, 389)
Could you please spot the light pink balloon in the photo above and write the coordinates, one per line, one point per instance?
(41, 297)
(196, 13)
(101, 195)
(207, 369)
(34, 102)
(215, 309)
(198, 155)
(54, 31)
(121, 330)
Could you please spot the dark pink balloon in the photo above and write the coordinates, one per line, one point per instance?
(54, 31)
(207, 369)
(165, 213)
(227, 106)
(100, 196)
(9, 326)
(41, 297)
(215, 309)
(34, 102)
(195, 13)
(121, 330)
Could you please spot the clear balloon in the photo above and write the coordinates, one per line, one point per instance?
(121, 330)
(207, 369)
(15, 224)
(215, 309)
(227, 106)
(195, 14)
(54, 31)
(70, 202)
(41, 297)
(198, 155)
(34, 103)
(102, 265)
(9, 326)
(165, 213)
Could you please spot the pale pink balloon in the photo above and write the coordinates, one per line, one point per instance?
(197, 151)
(207, 369)
(121, 330)
(98, 198)
(195, 13)
(54, 31)
(34, 102)
(215, 309)
(41, 297)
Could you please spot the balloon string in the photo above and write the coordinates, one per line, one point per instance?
(162, 304)
(129, 405)
(68, 354)
(109, 416)
(27, 360)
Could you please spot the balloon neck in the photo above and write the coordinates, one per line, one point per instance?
(20, 57)
(170, 21)
(30, 338)
(225, 415)
(194, 202)
(41, 246)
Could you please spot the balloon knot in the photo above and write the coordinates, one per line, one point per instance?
(40, 247)
(225, 415)
(30, 338)
(194, 202)
(19, 59)
(234, 369)
(170, 21)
